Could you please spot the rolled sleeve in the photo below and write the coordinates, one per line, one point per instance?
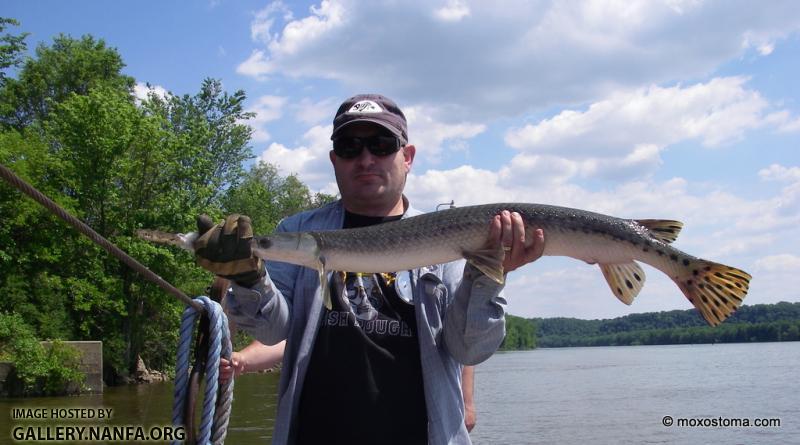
(474, 324)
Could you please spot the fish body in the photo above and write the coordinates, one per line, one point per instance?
(614, 244)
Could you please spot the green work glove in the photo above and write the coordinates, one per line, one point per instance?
(225, 249)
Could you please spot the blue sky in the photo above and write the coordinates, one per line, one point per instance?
(680, 109)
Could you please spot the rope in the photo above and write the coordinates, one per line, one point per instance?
(216, 413)
(79, 225)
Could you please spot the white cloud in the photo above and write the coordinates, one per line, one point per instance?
(309, 160)
(622, 136)
(301, 33)
(267, 109)
(432, 136)
(777, 172)
(143, 91)
(452, 11)
(264, 20)
(520, 56)
(312, 112)
(784, 262)
(257, 65)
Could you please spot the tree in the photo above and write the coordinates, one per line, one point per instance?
(267, 197)
(11, 48)
(67, 66)
(78, 135)
(210, 139)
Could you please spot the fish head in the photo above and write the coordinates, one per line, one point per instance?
(289, 247)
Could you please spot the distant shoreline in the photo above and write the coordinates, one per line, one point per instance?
(750, 324)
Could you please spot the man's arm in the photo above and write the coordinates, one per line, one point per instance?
(468, 389)
(474, 324)
(252, 358)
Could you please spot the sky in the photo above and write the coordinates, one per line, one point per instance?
(677, 109)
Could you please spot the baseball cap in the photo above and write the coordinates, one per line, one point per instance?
(371, 108)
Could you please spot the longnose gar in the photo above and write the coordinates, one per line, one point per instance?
(614, 244)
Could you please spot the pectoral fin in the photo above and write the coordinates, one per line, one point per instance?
(625, 280)
(325, 288)
(489, 261)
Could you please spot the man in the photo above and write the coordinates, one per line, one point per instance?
(383, 365)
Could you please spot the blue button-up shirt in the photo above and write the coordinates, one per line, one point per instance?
(460, 319)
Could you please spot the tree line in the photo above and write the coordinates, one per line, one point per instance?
(71, 126)
(751, 323)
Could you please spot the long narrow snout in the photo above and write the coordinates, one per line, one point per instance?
(299, 248)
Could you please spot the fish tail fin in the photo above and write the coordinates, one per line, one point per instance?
(716, 290)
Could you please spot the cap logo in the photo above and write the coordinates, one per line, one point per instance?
(365, 106)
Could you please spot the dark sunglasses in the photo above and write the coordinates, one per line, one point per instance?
(351, 147)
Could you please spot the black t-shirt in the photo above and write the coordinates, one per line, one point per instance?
(364, 381)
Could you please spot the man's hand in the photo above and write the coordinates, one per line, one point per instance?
(233, 368)
(508, 229)
(225, 249)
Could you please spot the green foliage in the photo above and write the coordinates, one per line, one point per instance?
(266, 197)
(68, 66)
(761, 322)
(40, 370)
(520, 334)
(11, 48)
(70, 126)
(77, 134)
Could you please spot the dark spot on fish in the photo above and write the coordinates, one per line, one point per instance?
(685, 262)
(619, 291)
(264, 243)
(739, 285)
(718, 275)
(717, 303)
(729, 285)
(703, 297)
(673, 257)
(701, 286)
(636, 275)
(646, 249)
(660, 253)
(629, 284)
(707, 268)
(695, 272)
(688, 282)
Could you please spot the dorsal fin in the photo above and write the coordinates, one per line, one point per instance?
(664, 230)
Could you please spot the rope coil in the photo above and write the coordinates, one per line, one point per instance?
(216, 410)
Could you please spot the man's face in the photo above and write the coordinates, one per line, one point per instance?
(371, 184)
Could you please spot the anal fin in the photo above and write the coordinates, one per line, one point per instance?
(489, 261)
(624, 279)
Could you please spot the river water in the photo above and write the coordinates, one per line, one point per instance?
(603, 395)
